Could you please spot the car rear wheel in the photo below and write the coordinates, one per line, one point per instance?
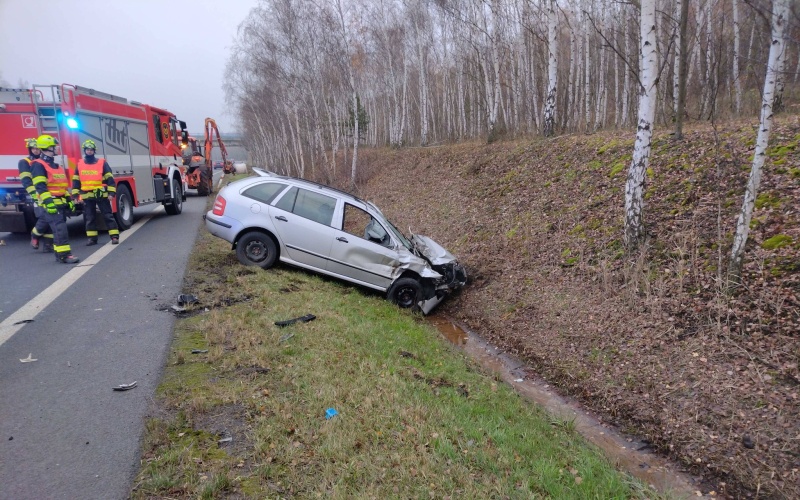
(256, 249)
(405, 292)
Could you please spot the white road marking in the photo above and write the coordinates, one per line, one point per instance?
(51, 293)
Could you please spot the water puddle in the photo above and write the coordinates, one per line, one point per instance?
(628, 453)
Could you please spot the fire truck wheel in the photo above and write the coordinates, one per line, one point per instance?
(124, 213)
(176, 206)
(256, 249)
(30, 217)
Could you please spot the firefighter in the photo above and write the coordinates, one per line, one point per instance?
(42, 228)
(52, 185)
(94, 182)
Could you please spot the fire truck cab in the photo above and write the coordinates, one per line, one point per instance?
(141, 143)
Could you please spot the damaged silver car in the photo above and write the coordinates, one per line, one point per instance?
(272, 217)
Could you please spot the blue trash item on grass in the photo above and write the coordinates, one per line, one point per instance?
(330, 413)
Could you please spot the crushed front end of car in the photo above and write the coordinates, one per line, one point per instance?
(451, 275)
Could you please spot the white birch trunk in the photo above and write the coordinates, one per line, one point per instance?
(552, 69)
(737, 82)
(634, 186)
(586, 49)
(780, 13)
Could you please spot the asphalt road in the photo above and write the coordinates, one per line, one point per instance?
(64, 433)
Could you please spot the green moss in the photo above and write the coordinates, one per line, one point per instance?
(766, 200)
(777, 241)
(795, 172)
(650, 172)
(605, 147)
(595, 165)
(615, 169)
(780, 151)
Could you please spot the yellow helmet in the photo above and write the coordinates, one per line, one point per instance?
(89, 144)
(46, 142)
(31, 143)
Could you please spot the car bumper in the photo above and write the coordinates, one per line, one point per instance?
(222, 227)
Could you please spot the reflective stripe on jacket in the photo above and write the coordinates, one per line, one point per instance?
(57, 182)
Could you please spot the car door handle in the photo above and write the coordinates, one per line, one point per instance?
(281, 217)
(342, 239)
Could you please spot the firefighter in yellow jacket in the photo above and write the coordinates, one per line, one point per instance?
(94, 182)
(42, 228)
(52, 185)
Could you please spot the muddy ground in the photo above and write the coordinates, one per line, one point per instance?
(651, 342)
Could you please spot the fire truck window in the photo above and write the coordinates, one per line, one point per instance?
(157, 128)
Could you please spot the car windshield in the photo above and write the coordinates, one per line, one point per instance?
(398, 234)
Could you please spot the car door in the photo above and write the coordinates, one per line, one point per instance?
(303, 219)
(363, 250)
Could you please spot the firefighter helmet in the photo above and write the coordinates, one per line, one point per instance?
(89, 144)
(31, 143)
(46, 142)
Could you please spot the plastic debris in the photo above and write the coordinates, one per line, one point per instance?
(199, 351)
(185, 299)
(29, 359)
(519, 380)
(24, 321)
(304, 319)
(330, 413)
(125, 387)
(225, 440)
(286, 337)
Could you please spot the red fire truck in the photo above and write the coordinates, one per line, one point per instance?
(141, 143)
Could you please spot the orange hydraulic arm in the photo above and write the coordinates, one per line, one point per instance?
(211, 129)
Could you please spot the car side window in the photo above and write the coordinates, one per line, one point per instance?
(359, 223)
(265, 192)
(308, 204)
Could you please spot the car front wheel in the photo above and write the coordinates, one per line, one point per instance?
(256, 249)
(405, 292)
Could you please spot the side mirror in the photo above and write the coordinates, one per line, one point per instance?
(184, 136)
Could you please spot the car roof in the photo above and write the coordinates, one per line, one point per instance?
(262, 174)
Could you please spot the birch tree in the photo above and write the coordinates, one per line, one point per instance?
(634, 185)
(777, 55)
(552, 69)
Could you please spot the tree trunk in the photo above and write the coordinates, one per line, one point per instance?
(780, 13)
(552, 70)
(682, 67)
(737, 82)
(634, 186)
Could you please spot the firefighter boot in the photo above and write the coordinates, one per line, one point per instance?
(115, 240)
(91, 242)
(34, 241)
(48, 246)
(67, 258)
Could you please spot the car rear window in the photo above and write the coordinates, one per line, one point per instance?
(264, 192)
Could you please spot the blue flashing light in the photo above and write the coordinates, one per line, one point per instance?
(72, 123)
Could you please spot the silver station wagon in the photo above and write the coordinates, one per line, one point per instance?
(271, 217)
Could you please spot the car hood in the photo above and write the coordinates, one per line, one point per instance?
(431, 250)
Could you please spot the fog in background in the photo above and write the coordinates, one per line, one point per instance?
(170, 54)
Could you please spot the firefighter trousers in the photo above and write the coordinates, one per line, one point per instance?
(90, 217)
(42, 228)
(58, 226)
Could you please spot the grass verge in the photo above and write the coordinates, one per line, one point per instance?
(416, 418)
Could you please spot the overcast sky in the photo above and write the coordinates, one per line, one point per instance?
(167, 53)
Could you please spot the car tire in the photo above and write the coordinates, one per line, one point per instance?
(124, 213)
(256, 249)
(405, 292)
